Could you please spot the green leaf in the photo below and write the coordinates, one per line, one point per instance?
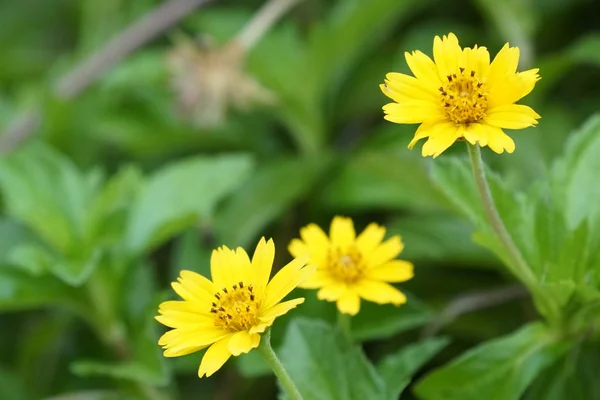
(181, 195)
(438, 237)
(47, 193)
(454, 178)
(271, 191)
(20, 291)
(576, 175)
(350, 31)
(574, 377)
(397, 369)
(393, 179)
(324, 366)
(376, 321)
(11, 386)
(500, 369)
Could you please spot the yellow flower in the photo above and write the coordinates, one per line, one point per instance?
(351, 267)
(228, 313)
(461, 95)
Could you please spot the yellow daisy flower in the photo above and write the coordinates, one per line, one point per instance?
(461, 95)
(230, 312)
(351, 267)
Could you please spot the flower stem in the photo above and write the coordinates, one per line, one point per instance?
(344, 322)
(266, 350)
(491, 212)
(519, 265)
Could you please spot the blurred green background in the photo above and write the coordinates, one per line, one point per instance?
(106, 194)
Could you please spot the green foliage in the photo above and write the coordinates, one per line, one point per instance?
(162, 208)
(396, 369)
(499, 369)
(117, 191)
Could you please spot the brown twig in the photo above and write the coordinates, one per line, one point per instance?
(137, 34)
(474, 301)
(88, 71)
(26, 122)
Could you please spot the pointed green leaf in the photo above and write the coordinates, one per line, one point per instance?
(500, 369)
(325, 367)
(180, 195)
(397, 369)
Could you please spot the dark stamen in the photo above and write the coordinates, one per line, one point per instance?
(218, 296)
(241, 285)
(250, 288)
(447, 105)
(449, 78)
(224, 290)
(461, 70)
(229, 316)
(221, 309)
(472, 73)
(479, 84)
(247, 308)
(212, 310)
(441, 89)
(251, 297)
(234, 287)
(214, 304)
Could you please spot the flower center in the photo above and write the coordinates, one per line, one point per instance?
(236, 309)
(347, 267)
(464, 98)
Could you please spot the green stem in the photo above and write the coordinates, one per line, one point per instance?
(344, 322)
(271, 358)
(519, 265)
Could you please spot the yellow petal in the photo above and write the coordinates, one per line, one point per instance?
(214, 358)
(243, 342)
(260, 328)
(176, 305)
(441, 137)
(413, 112)
(332, 292)
(447, 54)
(317, 242)
(349, 303)
(197, 284)
(434, 129)
(505, 63)
(478, 134)
(288, 278)
(221, 270)
(298, 248)
(476, 59)
(379, 292)
(492, 136)
(370, 238)
(401, 87)
(342, 232)
(281, 309)
(178, 352)
(262, 262)
(385, 252)
(176, 319)
(512, 88)
(319, 279)
(391, 271)
(511, 116)
(423, 69)
(181, 339)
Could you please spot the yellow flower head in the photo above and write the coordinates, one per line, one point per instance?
(351, 267)
(228, 313)
(461, 95)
